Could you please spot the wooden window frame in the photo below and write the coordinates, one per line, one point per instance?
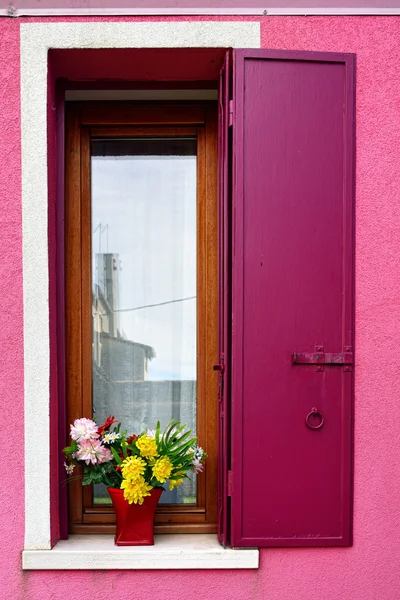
(83, 122)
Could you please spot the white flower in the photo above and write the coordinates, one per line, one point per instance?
(69, 468)
(197, 452)
(151, 433)
(197, 455)
(84, 429)
(109, 438)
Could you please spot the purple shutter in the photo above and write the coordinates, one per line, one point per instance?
(224, 302)
(292, 299)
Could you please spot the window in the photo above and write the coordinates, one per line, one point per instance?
(281, 304)
(141, 287)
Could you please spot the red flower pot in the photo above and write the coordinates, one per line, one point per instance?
(135, 522)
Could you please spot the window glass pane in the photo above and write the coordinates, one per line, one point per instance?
(144, 286)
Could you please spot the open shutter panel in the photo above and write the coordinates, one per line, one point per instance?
(292, 298)
(224, 301)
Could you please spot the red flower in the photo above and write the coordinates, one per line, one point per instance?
(107, 424)
(131, 438)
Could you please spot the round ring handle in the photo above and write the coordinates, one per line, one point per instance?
(312, 416)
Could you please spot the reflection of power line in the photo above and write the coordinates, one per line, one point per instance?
(149, 305)
(158, 304)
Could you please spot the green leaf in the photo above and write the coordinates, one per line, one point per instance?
(97, 477)
(178, 476)
(179, 442)
(169, 429)
(124, 447)
(155, 483)
(158, 433)
(116, 456)
(181, 451)
(87, 476)
(108, 467)
(177, 431)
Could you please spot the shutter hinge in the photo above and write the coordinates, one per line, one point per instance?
(229, 484)
(230, 119)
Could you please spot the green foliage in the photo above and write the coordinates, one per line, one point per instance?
(174, 443)
(117, 457)
(68, 450)
(104, 473)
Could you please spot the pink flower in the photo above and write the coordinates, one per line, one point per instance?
(104, 455)
(84, 429)
(93, 452)
(197, 466)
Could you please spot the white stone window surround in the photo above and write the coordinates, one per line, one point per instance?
(36, 39)
(170, 551)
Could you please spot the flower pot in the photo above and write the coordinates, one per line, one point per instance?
(135, 522)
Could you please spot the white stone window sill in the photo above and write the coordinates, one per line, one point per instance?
(170, 551)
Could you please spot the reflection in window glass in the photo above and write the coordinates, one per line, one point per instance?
(144, 286)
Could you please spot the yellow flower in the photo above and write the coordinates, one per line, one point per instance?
(136, 491)
(173, 483)
(147, 446)
(162, 469)
(133, 467)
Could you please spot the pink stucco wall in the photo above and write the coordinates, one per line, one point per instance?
(370, 569)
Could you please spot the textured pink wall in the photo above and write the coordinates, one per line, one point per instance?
(368, 571)
(11, 323)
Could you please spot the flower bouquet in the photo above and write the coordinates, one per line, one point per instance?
(134, 469)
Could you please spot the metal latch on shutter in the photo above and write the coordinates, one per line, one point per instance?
(325, 359)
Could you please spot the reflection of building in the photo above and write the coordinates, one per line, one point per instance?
(120, 371)
(122, 359)
(107, 292)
